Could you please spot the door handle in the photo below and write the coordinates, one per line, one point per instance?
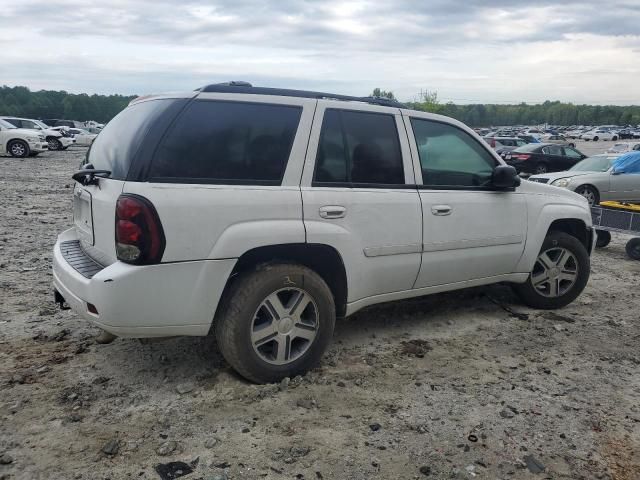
(333, 211)
(441, 210)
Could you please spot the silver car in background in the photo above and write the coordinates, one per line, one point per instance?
(595, 179)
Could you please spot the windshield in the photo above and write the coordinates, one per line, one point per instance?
(529, 147)
(40, 124)
(5, 124)
(598, 163)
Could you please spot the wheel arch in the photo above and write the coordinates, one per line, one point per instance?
(575, 227)
(323, 259)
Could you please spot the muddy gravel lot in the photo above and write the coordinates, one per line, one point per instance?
(465, 385)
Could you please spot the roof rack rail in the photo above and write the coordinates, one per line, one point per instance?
(238, 86)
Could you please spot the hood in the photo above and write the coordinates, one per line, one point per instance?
(567, 196)
(558, 175)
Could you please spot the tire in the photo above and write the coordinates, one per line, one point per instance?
(572, 145)
(590, 193)
(54, 143)
(633, 248)
(596, 138)
(540, 169)
(603, 238)
(576, 266)
(254, 302)
(614, 138)
(19, 149)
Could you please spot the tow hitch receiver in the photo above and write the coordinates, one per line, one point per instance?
(59, 299)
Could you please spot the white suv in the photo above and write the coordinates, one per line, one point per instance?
(264, 214)
(55, 140)
(600, 134)
(19, 142)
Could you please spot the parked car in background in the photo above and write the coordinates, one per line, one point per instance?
(534, 132)
(539, 158)
(20, 142)
(558, 140)
(56, 140)
(597, 179)
(625, 133)
(56, 122)
(624, 147)
(528, 138)
(600, 134)
(299, 208)
(82, 137)
(504, 144)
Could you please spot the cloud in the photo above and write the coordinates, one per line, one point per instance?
(489, 49)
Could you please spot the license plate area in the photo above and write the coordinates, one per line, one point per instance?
(82, 215)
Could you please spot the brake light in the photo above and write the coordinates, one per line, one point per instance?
(492, 142)
(139, 235)
(521, 156)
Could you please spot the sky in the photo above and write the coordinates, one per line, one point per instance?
(492, 51)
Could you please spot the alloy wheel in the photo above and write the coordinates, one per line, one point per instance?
(284, 326)
(18, 149)
(589, 195)
(555, 272)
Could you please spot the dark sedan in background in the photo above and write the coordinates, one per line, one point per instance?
(538, 158)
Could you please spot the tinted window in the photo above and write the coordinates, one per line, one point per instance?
(228, 142)
(359, 148)
(552, 150)
(570, 152)
(450, 156)
(118, 142)
(14, 122)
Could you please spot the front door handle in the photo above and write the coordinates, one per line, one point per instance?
(333, 211)
(441, 210)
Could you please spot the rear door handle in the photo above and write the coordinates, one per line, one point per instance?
(441, 210)
(333, 211)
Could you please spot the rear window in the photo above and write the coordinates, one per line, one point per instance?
(228, 143)
(118, 142)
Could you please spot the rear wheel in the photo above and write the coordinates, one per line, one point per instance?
(614, 138)
(596, 138)
(541, 168)
(572, 145)
(559, 275)
(19, 148)
(275, 321)
(633, 248)
(590, 193)
(603, 238)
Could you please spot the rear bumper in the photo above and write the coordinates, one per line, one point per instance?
(144, 301)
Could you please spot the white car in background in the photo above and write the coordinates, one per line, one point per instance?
(624, 147)
(81, 136)
(534, 132)
(19, 142)
(55, 139)
(600, 134)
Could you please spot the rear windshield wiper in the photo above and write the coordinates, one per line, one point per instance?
(89, 175)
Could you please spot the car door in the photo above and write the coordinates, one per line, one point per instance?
(554, 158)
(470, 230)
(625, 186)
(359, 196)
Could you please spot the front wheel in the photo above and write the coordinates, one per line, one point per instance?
(590, 193)
(275, 321)
(18, 148)
(572, 145)
(595, 139)
(559, 274)
(614, 138)
(541, 168)
(54, 143)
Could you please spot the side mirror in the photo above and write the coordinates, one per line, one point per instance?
(505, 176)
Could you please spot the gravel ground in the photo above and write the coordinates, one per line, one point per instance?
(460, 385)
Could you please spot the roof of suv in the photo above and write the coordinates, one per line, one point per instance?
(247, 88)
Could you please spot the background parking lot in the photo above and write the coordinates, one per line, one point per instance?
(460, 385)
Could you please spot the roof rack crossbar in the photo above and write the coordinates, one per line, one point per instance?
(245, 87)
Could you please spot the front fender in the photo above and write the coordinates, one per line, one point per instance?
(539, 227)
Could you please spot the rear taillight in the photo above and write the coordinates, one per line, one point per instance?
(521, 156)
(139, 234)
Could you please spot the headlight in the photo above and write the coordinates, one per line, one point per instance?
(561, 182)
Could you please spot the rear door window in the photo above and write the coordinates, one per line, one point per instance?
(358, 149)
(227, 143)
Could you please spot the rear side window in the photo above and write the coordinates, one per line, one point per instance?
(358, 148)
(116, 145)
(228, 143)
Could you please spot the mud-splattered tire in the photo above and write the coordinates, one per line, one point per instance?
(275, 321)
(559, 275)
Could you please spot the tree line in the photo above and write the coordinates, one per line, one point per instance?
(22, 102)
(551, 112)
